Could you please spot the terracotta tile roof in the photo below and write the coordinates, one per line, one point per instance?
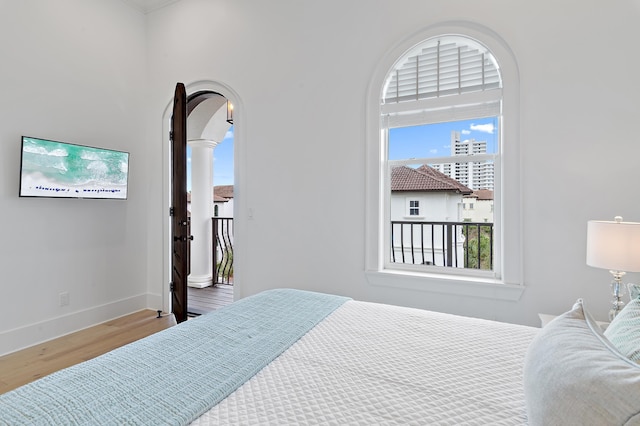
(221, 194)
(481, 194)
(424, 178)
(225, 191)
(216, 198)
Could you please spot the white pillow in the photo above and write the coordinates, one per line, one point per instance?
(574, 376)
(624, 331)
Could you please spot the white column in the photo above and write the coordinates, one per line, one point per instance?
(201, 212)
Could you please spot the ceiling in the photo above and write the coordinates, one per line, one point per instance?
(147, 6)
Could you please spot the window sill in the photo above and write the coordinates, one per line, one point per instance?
(456, 285)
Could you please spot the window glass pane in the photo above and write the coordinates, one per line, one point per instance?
(450, 166)
(439, 140)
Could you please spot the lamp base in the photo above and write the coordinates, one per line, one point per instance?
(616, 290)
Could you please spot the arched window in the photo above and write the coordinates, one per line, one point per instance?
(445, 137)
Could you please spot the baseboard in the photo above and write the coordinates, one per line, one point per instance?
(155, 302)
(33, 334)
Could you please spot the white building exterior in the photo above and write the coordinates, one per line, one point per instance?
(475, 175)
(433, 206)
(478, 207)
(223, 201)
(426, 195)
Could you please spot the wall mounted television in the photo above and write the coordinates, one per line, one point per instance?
(63, 170)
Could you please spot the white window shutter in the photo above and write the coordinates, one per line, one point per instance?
(443, 66)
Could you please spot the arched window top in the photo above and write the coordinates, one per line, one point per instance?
(441, 66)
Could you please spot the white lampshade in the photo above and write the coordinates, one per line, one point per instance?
(614, 245)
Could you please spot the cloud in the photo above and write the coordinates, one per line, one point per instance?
(228, 135)
(484, 128)
(466, 132)
(433, 151)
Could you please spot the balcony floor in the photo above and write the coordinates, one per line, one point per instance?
(203, 300)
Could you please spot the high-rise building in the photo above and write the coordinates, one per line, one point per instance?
(473, 174)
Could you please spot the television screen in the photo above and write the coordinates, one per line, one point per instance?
(57, 169)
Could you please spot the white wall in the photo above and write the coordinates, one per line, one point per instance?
(71, 70)
(434, 205)
(302, 69)
(482, 210)
(225, 209)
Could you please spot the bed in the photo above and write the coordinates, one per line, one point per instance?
(290, 357)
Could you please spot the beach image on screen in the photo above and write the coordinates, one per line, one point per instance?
(56, 169)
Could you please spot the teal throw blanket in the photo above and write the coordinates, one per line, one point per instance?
(174, 376)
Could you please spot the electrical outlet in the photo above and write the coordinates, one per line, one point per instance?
(64, 298)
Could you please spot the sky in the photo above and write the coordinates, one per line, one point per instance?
(434, 140)
(222, 162)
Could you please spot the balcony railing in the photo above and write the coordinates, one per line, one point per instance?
(449, 244)
(222, 250)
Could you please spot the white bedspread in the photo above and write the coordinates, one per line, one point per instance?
(376, 364)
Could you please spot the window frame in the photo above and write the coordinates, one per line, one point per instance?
(506, 284)
(410, 201)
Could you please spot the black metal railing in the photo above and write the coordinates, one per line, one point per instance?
(450, 244)
(222, 240)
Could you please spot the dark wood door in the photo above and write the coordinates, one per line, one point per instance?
(179, 234)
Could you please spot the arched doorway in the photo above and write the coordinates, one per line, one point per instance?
(205, 106)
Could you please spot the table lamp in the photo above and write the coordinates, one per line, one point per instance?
(614, 246)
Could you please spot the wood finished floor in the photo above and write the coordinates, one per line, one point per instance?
(203, 300)
(27, 365)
